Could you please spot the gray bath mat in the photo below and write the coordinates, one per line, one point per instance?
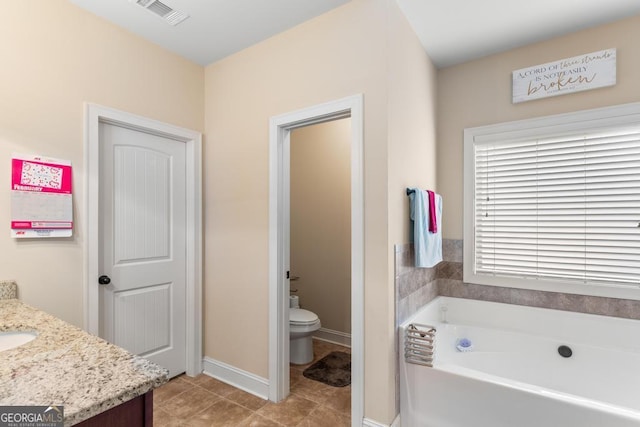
(334, 369)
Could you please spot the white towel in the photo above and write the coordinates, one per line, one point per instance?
(427, 245)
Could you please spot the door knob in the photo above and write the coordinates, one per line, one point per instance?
(104, 280)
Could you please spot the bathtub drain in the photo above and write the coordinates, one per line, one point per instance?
(565, 351)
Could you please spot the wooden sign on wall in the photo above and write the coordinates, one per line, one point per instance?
(584, 72)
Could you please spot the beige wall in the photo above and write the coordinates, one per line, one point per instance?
(412, 120)
(411, 137)
(347, 51)
(479, 93)
(335, 55)
(55, 57)
(321, 221)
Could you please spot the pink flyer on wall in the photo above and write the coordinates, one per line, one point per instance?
(41, 197)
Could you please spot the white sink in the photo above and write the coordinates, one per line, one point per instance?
(13, 339)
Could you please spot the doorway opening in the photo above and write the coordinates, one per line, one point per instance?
(280, 243)
(320, 263)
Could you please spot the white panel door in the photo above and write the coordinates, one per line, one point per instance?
(143, 244)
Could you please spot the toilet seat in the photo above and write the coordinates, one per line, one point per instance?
(302, 317)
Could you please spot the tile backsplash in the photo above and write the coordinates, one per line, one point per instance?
(8, 289)
(417, 286)
(414, 287)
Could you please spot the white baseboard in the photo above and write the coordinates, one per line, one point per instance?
(332, 336)
(238, 378)
(370, 423)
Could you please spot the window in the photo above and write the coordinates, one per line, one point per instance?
(554, 203)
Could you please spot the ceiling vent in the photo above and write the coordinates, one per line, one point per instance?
(169, 15)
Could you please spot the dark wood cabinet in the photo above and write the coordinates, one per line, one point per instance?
(137, 412)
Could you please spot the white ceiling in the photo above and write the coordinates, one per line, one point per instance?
(215, 28)
(456, 31)
(451, 31)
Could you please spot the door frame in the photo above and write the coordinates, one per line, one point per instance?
(279, 193)
(94, 115)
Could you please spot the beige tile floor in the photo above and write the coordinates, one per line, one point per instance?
(205, 401)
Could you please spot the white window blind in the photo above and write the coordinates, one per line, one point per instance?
(563, 208)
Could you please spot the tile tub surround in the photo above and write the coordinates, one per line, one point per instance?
(8, 289)
(414, 288)
(66, 366)
(629, 309)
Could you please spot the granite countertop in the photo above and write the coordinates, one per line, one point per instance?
(64, 365)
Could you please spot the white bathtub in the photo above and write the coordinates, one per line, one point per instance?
(514, 376)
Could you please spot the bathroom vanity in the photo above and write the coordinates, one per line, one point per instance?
(98, 383)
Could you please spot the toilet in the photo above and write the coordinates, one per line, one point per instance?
(302, 324)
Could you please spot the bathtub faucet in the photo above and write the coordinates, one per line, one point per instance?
(443, 313)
